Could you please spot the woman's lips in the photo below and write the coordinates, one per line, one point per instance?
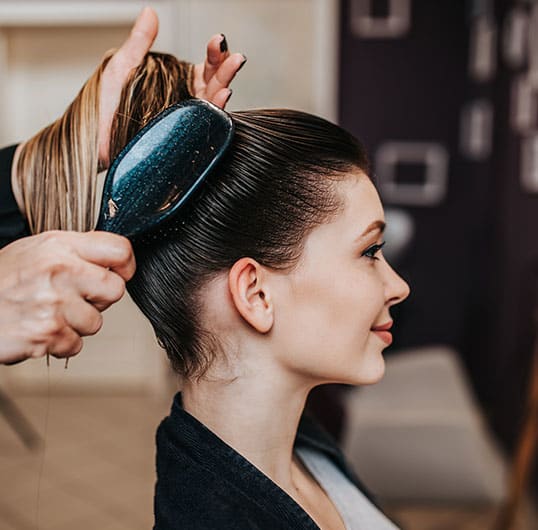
(385, 336)
(382, 331)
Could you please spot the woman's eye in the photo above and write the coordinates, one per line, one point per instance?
(371, 252)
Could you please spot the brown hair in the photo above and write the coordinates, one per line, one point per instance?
(274, 185)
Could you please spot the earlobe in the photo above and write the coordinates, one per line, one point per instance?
(249, 289)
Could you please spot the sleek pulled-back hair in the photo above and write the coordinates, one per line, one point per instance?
(275, 184)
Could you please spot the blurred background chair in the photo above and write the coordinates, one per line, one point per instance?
(419, 436)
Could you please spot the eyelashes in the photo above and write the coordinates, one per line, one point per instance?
(371, 252)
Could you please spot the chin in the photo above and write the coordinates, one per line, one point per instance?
(367, 369)
(370, 371)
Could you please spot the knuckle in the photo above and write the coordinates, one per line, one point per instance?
(38, 350)
(102, 276)
(76, 346)
(123, 250)
(51, 236)
(95, 323)
(51, 327)
(69, 345)
(52, 264)
(55, 242)
(46, 262)
(49, 300)
(117, 288)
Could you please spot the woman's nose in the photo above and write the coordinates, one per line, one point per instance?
(397, 289)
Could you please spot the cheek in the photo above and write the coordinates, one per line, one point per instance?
(352, 309)
(330, 316)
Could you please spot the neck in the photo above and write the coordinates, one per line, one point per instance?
(257, 415)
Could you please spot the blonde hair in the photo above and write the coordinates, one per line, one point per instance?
(57, 168)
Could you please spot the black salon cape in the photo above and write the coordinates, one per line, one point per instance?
(12, 224)
(204, 484)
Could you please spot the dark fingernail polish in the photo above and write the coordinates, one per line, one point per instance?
(243, 63)
(223, 44)
(229, 96)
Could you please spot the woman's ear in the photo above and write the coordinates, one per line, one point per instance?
(249, 288)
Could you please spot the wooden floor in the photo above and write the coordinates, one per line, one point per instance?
(95, 470)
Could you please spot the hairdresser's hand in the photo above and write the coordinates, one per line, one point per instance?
(53, 287)
(212, 78)
(116, 73)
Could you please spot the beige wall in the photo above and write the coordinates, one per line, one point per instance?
(46, 66)
(48, 49)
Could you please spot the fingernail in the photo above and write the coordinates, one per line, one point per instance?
(223, 44)
(228, 98)
(243, 63)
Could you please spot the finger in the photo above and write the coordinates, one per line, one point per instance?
(99, 286)
(82, 317)
(104, 249)
(66, 344)
(217, 52)
(221, 98)
(16, 360)
(224, 75)
(140, 39)
(117, 70)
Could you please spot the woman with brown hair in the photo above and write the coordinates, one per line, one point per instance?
(269, 283)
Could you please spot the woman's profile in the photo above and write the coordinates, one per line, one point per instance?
(270, 283)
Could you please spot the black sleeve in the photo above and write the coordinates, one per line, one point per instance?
(12, 223)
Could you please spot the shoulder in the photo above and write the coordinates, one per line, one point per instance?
(201, 483)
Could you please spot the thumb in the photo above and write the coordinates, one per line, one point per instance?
(141, 38)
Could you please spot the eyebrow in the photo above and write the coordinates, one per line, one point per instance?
(376, 225)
